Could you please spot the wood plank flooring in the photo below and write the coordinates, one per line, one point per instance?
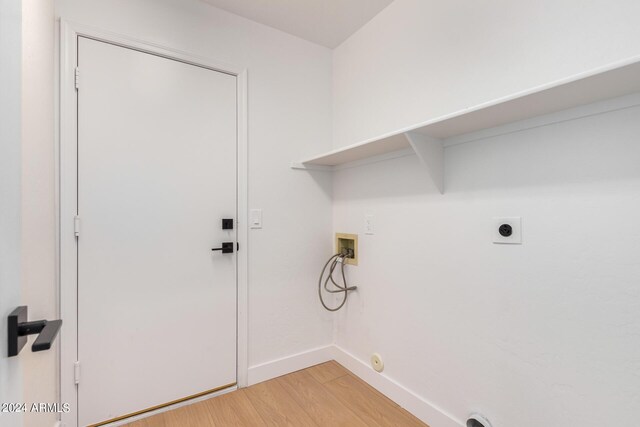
(325, 395)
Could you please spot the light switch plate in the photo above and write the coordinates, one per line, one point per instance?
(255, 218)
(369, 227)
(516, 230)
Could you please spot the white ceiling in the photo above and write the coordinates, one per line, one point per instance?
(326, 22)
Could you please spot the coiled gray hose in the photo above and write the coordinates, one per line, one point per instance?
(334, 260)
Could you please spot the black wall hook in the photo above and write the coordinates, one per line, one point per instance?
(19, 328)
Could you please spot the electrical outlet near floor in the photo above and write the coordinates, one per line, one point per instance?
(507, 230)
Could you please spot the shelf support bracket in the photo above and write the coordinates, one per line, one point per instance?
(430, 151)
(309, 167)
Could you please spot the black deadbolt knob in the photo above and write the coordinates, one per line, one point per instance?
(505, 230)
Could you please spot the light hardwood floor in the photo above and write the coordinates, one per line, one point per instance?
(325, 395)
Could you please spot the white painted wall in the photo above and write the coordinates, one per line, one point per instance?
(289, 117)
(420, 59)
(10, 292)
(539, 334)
(38, 200)
(543, 334)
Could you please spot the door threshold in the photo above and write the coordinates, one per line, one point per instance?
(174, 404)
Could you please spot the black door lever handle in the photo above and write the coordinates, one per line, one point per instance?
(19, 328)
(227, 248)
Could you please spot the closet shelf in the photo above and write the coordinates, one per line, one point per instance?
(426, 138)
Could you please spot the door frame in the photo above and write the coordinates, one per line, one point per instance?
(67, 143)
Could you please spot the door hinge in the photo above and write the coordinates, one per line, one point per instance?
(76, 225)
(77, 78)
(76, 372)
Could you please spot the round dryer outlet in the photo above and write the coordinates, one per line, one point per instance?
(376, 362)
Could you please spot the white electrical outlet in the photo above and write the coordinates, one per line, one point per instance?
(507, 230)
(369, 224)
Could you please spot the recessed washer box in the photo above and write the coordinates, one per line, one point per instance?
(507, 230)
(348, 241)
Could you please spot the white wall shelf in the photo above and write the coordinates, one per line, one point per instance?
(427, 138)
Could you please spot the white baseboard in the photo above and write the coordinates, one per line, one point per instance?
(276, 368)
(418, 406)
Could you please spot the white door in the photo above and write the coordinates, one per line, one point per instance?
(156, 176)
